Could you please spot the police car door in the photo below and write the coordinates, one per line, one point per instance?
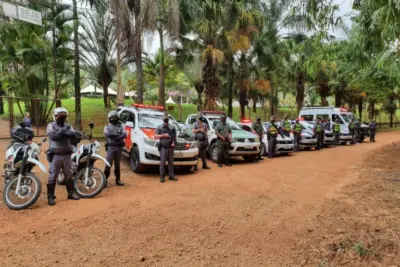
(127, 116)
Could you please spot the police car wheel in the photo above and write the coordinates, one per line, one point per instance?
(214, 152)
(134, 161)
(250, 158)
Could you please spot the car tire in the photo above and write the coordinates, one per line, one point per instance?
(214, 152)
(343, 143)
(134, 161)
(250, 158)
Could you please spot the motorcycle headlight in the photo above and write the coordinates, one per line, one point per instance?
(151, 142)
(234, 140)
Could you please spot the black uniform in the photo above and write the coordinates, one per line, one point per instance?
(167, 150)
(224, 130)
(272, 134)
(115, 134)
(372, 131)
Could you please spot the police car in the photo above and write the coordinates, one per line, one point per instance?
(308, 139)
(244, 144)
(141, 122)
(284, 144)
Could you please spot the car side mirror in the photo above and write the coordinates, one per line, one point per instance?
(91, 125)
(130, 124)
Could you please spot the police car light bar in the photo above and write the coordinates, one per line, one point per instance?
(246, 121)
(161, 108)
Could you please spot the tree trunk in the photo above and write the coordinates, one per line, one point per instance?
(211, 84)
(299, 93)
(120, 91)
(105, 93)
(360, 108)
(255, 104)
(138, 53)
(243, 103)
(161, 87)
(54, 51)
(371, 110)
(78, 118)
(198, 85)
(230, 87)
(391, 120)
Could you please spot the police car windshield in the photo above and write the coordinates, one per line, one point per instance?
(233, 125)
(348, 117)
(152, 121)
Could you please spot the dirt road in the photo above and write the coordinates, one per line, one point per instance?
(257, 214)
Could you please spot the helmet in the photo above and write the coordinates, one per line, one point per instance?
(60, 111)
(258, 117)
(165, 117)
(112, 114)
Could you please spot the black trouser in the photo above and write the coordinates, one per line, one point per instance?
(297, 138)
(223, 148)
(114, 156)
(167, 154)
(319, 144)
(372, 133)
(202, 146)
(322, 139)
(272, 141)
(353, 136)
(337, 138)
(259, 154)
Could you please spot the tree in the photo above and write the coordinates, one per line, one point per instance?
(163, 17)
(78, 115)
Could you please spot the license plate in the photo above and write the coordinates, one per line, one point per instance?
(178, 155)
(248, 147)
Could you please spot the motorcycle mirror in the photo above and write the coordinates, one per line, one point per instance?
(22, 125)
(91, 125)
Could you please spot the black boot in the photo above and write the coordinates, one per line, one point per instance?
(118, 178)
(173, 178)
(50, 194)
(195, 168)
(70, 189)
(206, 167)
(162, 179)
(227, 163)
(107, 173)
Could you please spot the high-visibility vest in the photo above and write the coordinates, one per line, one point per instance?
(318, 128)
(336, 128)
(287, 125)
(272, 130)
(352, 126)
(298, 127)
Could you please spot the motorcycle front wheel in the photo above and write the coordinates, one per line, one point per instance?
(29, 191)
(94, 184)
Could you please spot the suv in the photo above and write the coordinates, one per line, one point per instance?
(141, 122)
(342, 114)
(244, 144)
(284, 144)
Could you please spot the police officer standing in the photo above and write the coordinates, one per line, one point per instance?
(167, 135)
(318, 132)
(372, 131)
(200, 132)
(115, 134)
(286, 126)
(60, 133)
(336, 131)
(352, 130)
(258, 128)
(272, 134)
(224, 135)
(297, 128)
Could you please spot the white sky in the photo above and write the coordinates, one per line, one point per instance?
(152, 44)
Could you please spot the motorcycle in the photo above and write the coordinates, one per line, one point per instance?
(21, 187)
(89, 181)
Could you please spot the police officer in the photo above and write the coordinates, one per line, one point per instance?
(286, 126)
(115, 134)
(318, 132)
(297, 128)
(372, 131)
(272, 134)
(200, 132)
(60, 133)
(167, 135)
(336, 131)
(352, 130)
(328, 125)
(258, 128)
(224, 135)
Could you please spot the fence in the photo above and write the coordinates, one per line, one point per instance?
(14, 109)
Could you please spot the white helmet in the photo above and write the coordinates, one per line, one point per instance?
(58, 111)
(112, 114)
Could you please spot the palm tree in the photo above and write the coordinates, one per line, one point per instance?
(163, 17)
(78, 115)
(98, 44)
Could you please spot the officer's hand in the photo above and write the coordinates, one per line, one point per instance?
(223, 139)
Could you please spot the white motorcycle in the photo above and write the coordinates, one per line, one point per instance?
(89, 181)
(22, 188)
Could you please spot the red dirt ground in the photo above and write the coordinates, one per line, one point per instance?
(309, 209)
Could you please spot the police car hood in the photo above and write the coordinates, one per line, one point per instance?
(283, 138)
(242, 134)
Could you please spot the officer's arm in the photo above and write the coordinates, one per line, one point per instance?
(53, 135)
(108, 134)
(123, 134)
(69, 133)
(230, 133)
(158, 134)
(195, 128)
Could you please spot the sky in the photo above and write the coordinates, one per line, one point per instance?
(152, 44)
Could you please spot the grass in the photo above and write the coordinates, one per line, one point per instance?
(360, 249)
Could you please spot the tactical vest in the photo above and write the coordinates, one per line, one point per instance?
(115, 130)
(318, 128)
(298, 127)
(287, 125)
(200, 136)
(166, 142)
(63, 145)
(272, 130)
(223, 129)
(352, 126)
